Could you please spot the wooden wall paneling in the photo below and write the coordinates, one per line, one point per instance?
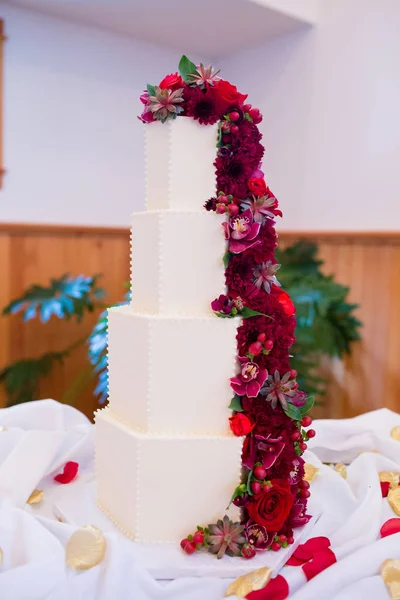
(369, 263)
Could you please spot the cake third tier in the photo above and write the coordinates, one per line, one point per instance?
(177, 266)
(169, 374)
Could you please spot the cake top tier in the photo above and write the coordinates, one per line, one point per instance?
(180, 173)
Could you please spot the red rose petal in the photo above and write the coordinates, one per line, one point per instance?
(295, 562)
(385, 488)
(69, 472)
(302, 553)
(276, 589)
(390, 527)
(321, 561)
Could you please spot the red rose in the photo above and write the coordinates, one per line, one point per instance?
(240, 424)
(228, 94)
(257, 186)
(271, 508)
(286, 303)
(172, 82)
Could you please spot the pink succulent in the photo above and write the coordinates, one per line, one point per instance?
(250, 379)
(265, 275)
(165, 104)
(241, 232)
(281, 389)
(204, 76)
(262, 207)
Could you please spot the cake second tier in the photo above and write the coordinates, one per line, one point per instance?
(171, 374)
(177, 266)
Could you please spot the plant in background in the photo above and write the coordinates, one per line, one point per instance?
(326, 326)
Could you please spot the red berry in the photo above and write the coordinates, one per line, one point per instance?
(293, 373)
(262, 337)
(268, 345)
(234, 129)
(304, 484)
(304, 493)
(260, 472)
(283, 538)
(233, 209)
(190, 548)
(223, 199)
(221, 209)
(255, 348)
(303, 446)
(198, 537)
(255, 487)
(296, 435)
(234, 116)
(311, 433)
(255, 115)
(290, 539)
(275, 546)
(306, 421)
(226, 126)
(183, 543)
(248, 551)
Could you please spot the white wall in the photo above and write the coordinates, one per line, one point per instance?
(73, 147)
(331, 104)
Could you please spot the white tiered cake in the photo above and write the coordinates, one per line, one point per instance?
(166, 458)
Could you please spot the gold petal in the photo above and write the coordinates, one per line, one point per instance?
(256, 580)
(341, 469)
(310, 472)
(395, 433)
(3, 428)
(391, 476)
(390, 573)
(35, 497)
(1, 556)
(85, 548)
(394, 499)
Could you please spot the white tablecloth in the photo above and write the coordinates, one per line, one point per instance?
(41, 437)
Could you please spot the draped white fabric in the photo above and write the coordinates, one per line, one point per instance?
(40, 437)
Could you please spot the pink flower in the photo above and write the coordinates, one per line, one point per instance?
(249, 381)
(241, 232)
(262, 206)
(265, 275)
(265, 449)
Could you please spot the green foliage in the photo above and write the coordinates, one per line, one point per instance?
(326, 324)
(21, 379)
(186, 68)
(64, 298)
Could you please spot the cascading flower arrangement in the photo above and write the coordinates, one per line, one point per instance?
(267, 406)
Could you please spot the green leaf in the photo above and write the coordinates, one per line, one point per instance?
(151, 89)
(307, 406)
(248, 485)
(241, 489)
(186, 68)
(226, 258)
(63, 298)
(236, 404)
(248, 312)
(293, 412)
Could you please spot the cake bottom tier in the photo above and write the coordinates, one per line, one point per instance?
(158, 488)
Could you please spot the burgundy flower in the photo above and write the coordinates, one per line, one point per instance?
(233, 172)
(258, 536)
(202, 105)
(250, 379)
(222, 304)
(298, 516)
(296, 474)
(241, 232)
(258, 448)
(265, 275)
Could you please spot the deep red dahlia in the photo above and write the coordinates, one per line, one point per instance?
(233, 172)
(202, 105)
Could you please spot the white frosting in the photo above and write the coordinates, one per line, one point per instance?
(171, 374)
(166, 459)
(179, 164)
(177, 263)
(158, 488)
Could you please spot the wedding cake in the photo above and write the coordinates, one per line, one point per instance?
(169, 452)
